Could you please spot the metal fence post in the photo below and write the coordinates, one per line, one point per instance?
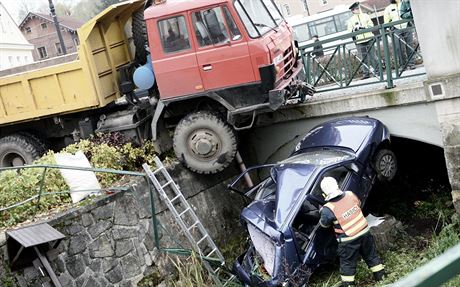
(386, 51)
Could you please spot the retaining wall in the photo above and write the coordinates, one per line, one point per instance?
(110, 242)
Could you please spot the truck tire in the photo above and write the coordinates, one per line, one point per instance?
(20, 149)
(385, 164)
(204, 143)
(139, 36)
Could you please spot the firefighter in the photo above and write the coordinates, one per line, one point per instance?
(342, 211)
(364, 41)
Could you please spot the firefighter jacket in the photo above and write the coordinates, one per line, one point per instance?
(391, 14)
(346, 216)
(358, 22)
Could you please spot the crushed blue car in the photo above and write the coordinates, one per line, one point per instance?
(286, 243)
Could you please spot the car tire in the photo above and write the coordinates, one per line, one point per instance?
(385, 164)
(19, 149)
(204, 143)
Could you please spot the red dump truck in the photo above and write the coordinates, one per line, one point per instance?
(203, 69)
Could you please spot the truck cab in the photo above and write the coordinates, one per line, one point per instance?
(221, 59)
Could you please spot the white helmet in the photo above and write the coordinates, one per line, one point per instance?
(330, 188)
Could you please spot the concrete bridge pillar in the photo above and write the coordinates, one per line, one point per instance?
(439, 37)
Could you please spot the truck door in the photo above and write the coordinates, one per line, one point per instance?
(222, 52)
(175, 64)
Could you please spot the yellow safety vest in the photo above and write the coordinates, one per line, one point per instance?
(391, 14)
(361, 20)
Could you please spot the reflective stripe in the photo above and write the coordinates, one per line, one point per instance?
(353, 237)
(335, 222)
(377, 268)
(322, 225)
(362, 224)
(338, 230)
(351, 223)
(348, 278)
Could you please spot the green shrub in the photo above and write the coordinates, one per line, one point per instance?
(110, 151)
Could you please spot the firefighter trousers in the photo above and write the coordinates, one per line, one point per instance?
(349, 252)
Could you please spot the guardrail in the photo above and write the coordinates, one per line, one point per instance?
(35, 199)
(434, 273)
(343, 64)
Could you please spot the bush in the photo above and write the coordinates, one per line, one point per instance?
(111, 151)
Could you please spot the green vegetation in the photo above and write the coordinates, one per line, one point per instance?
(432, 228)
(103, 151)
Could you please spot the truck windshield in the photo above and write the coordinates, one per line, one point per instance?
(258, 16)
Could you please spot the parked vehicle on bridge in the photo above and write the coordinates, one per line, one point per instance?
(205, 68)
(325, 25)
(286, 242)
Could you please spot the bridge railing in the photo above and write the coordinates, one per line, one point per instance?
(389, 55)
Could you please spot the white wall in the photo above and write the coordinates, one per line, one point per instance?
(438, 30)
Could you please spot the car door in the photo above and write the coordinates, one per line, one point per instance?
(174, 61)
(222, 51)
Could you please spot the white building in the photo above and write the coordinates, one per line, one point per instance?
(15, 50)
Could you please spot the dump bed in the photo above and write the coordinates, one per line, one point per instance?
(90, 82)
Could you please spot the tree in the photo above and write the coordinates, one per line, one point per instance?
(106, 3)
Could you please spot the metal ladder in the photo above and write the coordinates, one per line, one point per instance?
(190, 224)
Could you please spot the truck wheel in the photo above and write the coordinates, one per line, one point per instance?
(204, 142)
(385, 164)
(139, 36)
(20, 149)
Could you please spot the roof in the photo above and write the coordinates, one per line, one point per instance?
(10, 33)
(68, 22)
(176, 6)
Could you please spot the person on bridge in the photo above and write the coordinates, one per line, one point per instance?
(391, 14)
(405, 12)
(342, 210)
(317, 48)
(364, 41)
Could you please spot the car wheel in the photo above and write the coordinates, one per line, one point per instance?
(20, 149)
(385, 164)
(204, 142)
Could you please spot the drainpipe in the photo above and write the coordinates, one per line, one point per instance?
(247, 178)
(56, 24)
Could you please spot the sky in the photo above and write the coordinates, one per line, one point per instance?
(14, 5)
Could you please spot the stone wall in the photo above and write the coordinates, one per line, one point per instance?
(110, 242)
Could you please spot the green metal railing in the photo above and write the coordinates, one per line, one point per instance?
(36, 199)
(434, 273)
(342, 64)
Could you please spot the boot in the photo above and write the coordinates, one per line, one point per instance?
(378, 276)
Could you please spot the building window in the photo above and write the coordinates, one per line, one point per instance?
(76, 41)
(44, 26)
(28, 30)
(323, 2)
(42, 52)
(287, 10)
(58, 48)
(26, 59)
(305, 5)
(10, 59)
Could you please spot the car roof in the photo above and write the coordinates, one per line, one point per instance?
(349, 133)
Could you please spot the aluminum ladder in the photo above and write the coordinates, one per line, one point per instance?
(190, 224)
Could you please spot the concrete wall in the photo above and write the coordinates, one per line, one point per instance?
(110, 242)
(438, 31)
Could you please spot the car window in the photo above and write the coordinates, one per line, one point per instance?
(174, 34)
(319, 157)
(339, 173)
(267, 190)
(210, 27)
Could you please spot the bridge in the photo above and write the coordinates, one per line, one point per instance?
(421, 104)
